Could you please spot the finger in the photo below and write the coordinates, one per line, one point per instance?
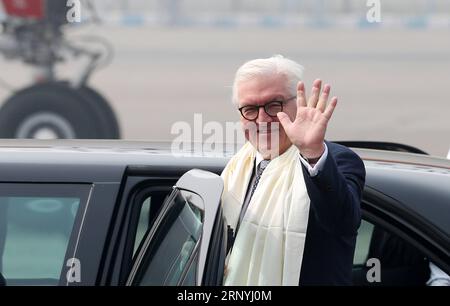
(312, 102)
(330, 108)
(323, 98)
(301, 99)
(284, 120)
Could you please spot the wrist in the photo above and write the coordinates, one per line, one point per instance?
(312, 155)
(311, 161)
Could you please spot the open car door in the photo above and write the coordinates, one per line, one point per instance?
(186, 245)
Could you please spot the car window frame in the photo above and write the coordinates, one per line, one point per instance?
(156, 234)
(137, 202)
(133, 205)
(115, 264)
(114, 267)
(209, 187)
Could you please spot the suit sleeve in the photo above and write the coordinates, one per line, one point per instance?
(336, 191)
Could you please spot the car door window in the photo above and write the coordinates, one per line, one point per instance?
(143, 223)
(173, 245)
(191, 274)
(149, 206)
(36, 223)
(400, 263)
(363, 243)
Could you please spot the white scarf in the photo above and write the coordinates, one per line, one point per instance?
(268, 249)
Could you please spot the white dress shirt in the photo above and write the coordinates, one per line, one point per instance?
(437, 277)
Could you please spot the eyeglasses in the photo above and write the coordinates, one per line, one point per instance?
(251, 112)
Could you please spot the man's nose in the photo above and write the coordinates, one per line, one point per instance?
(262, 116)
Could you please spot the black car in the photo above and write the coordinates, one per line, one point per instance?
(131, 213)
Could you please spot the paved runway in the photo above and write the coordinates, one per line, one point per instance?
(392, 84)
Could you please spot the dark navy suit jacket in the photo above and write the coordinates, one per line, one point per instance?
(334, 218)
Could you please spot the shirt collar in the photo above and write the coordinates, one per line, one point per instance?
(258, 159)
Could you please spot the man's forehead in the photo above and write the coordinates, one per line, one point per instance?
(262, 89)
(261, 99)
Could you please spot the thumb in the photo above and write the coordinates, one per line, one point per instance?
(284, 120)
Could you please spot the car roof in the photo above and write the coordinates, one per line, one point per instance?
(107, 147)
(132, 152)
(164, 147)
(93, 160)
(403, 158)
(124, 152)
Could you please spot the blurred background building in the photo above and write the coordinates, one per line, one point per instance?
(174, 58)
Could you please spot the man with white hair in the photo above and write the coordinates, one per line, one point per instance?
(291, 199)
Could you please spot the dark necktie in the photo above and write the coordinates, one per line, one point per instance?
(262, 165)
(255, 180)
(259, 171)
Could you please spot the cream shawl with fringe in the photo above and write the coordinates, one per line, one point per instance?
(268, 249)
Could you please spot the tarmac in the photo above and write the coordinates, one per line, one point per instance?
(392, 84)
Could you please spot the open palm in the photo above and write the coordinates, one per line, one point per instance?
(308, 129)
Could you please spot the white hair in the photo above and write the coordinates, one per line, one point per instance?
(276, 64)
